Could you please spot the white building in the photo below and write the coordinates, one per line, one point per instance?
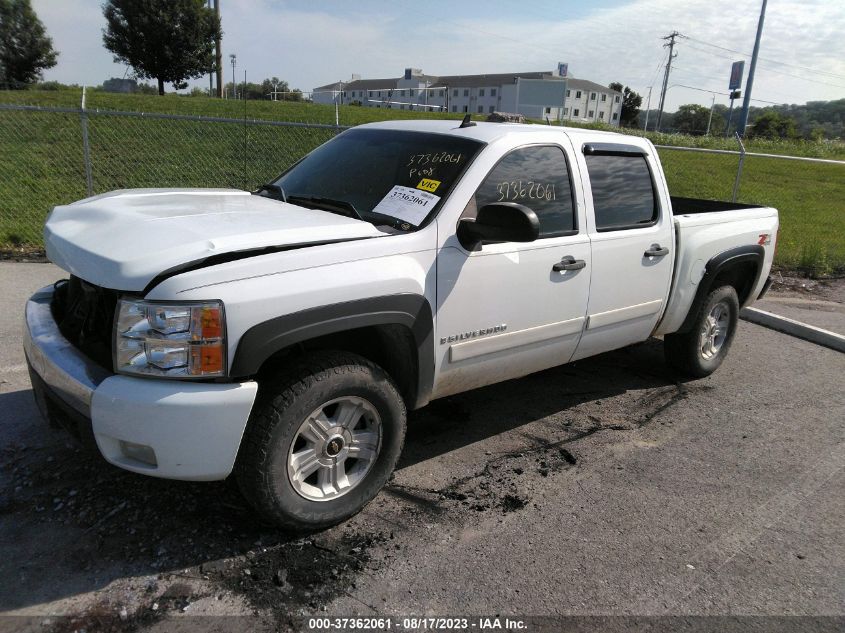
(588, 102)
(536, 95)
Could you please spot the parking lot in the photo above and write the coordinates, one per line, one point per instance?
(604, 487)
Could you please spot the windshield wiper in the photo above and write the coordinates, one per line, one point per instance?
(271, 188)
(342, 207)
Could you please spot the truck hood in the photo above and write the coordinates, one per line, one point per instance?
(124, 239)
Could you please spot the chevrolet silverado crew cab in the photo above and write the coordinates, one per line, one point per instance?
(281, 336)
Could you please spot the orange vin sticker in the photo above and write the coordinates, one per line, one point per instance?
(427, 184)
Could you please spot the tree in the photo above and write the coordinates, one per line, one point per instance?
(772, 124)
(693, 118)
(166, 40)
(631, 102)
(25, 49)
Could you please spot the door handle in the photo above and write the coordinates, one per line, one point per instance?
(569, 263)
(656, 250)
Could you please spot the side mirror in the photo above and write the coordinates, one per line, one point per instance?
(499, 222)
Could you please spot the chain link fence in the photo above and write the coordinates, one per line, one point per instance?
(52, 156)
(808, 193)
(56, 155)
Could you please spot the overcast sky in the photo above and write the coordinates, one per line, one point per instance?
(802, 56)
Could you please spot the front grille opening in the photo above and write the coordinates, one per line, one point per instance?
(85, 316)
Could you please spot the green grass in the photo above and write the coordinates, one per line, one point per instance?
(41, 162)
(809, 198)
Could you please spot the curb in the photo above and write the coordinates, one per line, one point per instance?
(794, 328)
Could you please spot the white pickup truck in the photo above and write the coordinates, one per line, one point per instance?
(282, 335)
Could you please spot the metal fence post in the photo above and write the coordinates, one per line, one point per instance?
(739, 167)
(86, 147)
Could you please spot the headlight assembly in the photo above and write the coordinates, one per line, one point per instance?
(186, 340)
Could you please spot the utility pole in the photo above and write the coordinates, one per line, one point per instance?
(710, 120)
(671, 37)
(234, 59)
(647, 109)
(211, 71)
(746, 100)
(218, 60)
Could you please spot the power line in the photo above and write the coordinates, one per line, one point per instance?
(765, 59)
(771, 71)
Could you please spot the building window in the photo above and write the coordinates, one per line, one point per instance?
(481, 92)
(466, 108)
(371, 93)
(454, 108)
(480, 109)
(492, 109)
(592, 96)
(466, 92)
(568, 93)
(411, 92)
(492, 92)
(379, 93)
(601, 115)
(455, 92)
(401, 93)
(548, 110)
(603, 98)
(441, 94)
(616, 99)
(576, 112)
(578, 95)
(590, 114)
(615, 115)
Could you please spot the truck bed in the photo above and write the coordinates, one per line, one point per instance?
(691, 206)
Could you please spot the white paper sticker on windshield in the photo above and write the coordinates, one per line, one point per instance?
(405, 203)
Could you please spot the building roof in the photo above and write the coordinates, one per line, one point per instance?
(327, 87)
(583, 84)
(496, 79)
(462, 81)
(465, 81)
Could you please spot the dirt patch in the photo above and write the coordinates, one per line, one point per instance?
(290, 579)
(24, 254)
(786, 285)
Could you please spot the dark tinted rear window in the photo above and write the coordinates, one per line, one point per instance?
(623, 193)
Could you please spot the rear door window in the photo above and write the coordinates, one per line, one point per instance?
(623, 191)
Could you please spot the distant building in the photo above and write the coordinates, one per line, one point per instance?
(587, 102)
(537, 95)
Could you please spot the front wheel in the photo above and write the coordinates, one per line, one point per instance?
(701, 350)
(322, 440)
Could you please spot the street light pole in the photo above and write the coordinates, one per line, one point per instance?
(746, 101)
(710, 120)
(234, 58)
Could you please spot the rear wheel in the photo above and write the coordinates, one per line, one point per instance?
(701, 350)
(322, 440)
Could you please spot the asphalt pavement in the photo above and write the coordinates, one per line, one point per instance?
(606, 487)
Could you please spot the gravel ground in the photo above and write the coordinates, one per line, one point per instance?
(604, 487)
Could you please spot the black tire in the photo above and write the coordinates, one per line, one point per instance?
(684, 351)
(285, 400)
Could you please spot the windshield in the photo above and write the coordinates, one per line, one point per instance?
(388, 177)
